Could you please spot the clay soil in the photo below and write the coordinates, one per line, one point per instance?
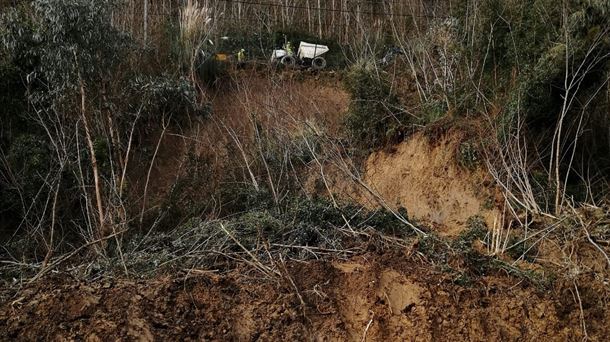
(373, 297)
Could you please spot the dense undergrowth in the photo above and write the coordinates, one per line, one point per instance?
(82, 98)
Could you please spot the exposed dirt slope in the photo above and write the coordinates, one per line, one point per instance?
(279, 102)
(424, 177)
(373, 297)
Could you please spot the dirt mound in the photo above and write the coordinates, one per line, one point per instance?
(425, 178)
(372, 297)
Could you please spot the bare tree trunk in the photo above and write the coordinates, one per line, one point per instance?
(96, 176)
(319, 19)
(309, 15)
(145, 19)
(332, 18)
(53, 220)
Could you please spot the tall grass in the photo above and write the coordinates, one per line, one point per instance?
(195, 24)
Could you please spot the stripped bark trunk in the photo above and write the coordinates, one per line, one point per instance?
(96, 176)
(94, 166)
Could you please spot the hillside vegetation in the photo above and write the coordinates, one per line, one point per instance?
(449, 148)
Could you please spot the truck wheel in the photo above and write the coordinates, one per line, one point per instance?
(318, 63)
(288, 61)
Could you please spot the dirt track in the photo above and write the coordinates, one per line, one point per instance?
(372, 297)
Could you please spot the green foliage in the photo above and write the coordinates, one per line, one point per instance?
(102, 148)
(466, 263)
(316, 212)
(188, 196)
(263, 230)
(304, 147)
(463, 280)
(18, 37)
(469, 156)
(66, 39)
(434, 248)
(28, 153)
(532, 56)
(257, 42)
(29, 160)
(240, 197)
(533, 40)
(170, 47)
(476, 229)
(522, 249)
(77, 37)
(259, 222)
(542, 280)
(165, 94)
(476, 263)
(374, 115)
(516, 32)
(433, 110)
(253, 226)
(12, 100)
(301, 218)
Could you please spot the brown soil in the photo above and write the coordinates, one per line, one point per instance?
(373, 297)
(422, 175)
(281, 103)
(391, 297)
(426, 179)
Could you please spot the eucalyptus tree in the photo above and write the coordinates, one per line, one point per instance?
(74, 51)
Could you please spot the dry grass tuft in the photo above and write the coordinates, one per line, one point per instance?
(195, 24)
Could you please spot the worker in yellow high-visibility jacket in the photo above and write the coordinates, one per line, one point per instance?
(289, 49)
(241, 58)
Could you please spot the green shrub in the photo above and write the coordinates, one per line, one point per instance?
(476, 229)
(166, 94)
(521, 47)
(241, 197)
(319, 211)
(527, 39)
(261, 221)
(76, 37)
(302, 216)
(257, 42)
(29, 161)
(375, 115)
(432, 111)
(433, 247)
(13, 102)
